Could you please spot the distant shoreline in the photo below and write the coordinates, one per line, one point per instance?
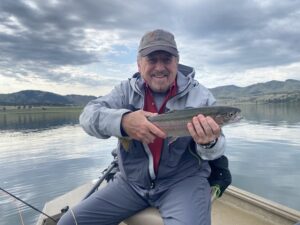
(77, 109)
(255, 102)
(39, 109)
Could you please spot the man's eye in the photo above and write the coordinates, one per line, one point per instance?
(152, 61)
(167, 60)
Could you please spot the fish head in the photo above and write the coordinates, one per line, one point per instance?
(228, 115)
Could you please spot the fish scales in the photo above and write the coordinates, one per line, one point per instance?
(174, 123)
(173, 128)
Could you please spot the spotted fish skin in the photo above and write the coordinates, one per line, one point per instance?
(174, 123)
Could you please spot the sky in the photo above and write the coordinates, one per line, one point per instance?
(87, 47)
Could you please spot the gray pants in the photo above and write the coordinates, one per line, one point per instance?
(185, 203)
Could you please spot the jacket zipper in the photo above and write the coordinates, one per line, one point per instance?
(151, 172)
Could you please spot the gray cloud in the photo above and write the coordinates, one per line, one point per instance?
(257, 35)
(43, 36)
(239, 34)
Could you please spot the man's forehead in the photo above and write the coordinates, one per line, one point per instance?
(159, 54)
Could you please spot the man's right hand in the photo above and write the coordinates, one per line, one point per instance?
(137, 126)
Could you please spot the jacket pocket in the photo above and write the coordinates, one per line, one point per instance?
(176, 151)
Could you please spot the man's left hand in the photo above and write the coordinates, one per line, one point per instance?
(203, 129)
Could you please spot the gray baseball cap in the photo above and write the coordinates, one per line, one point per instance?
(158, 40)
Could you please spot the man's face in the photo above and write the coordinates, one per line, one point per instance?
(159, 70)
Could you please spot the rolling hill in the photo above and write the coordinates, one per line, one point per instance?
(35, 98)
(269, 92)
(272, 91)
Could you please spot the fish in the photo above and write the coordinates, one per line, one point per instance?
(174, 123)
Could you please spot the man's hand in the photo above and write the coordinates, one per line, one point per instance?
(203, 129)
(139, 128)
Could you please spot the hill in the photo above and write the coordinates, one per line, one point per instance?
(272, 91)
(37, 98)
(80, 99)
(269, 92)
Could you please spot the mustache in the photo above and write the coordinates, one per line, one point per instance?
(160, 73)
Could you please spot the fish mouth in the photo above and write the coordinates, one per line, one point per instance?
(237, 117)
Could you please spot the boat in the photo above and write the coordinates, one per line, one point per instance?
(235, 207)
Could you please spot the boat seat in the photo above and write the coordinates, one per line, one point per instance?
(149, 216)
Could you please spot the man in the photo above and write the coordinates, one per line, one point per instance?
(154, 170)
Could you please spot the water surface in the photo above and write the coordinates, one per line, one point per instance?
(45, 155)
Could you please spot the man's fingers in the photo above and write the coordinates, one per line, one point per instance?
(203, 129)
(148, 138)
(156, 131)
(191, 129)
(198, 126)
(215, 128)
(205, 125)
(138, 127)
(147, 114)
(198, 136)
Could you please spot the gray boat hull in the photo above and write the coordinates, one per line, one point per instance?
(236, 206)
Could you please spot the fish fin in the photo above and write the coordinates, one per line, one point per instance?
(125, 143)
(171, 111)
(172, 140)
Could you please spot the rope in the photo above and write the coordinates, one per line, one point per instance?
(18, 207)
(74, 216)
(28, 204)
(19, 210)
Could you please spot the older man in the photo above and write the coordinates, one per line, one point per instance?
(154, 170)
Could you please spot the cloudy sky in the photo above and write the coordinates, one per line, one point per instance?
(88, 46)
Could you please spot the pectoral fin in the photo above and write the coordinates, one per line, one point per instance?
(125, 142)
(171, 140)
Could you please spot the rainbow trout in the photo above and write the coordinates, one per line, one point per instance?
(174, 123)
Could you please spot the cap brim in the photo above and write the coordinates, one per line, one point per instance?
(147, 51)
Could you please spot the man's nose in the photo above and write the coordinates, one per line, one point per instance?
(160, 66)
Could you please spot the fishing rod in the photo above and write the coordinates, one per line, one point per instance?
(31, 206)
(106, 173)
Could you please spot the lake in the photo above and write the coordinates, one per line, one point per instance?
(43, 155)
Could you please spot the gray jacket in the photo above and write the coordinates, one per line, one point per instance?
(102, 118)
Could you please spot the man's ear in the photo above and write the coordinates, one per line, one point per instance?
(138, 64)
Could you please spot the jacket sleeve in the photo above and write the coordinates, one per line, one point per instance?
(215, 152)
(102, 117)
(219, 148)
